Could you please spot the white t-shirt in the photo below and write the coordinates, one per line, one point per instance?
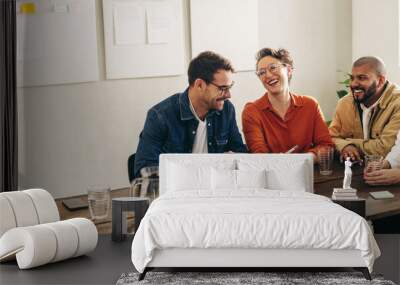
(366, 117)
(394, 155)
(200, 139)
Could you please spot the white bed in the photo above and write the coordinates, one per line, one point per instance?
(243, 210)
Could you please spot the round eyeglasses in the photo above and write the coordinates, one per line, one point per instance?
(272, 68)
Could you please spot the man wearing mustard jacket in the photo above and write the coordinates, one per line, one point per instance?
(367, 121)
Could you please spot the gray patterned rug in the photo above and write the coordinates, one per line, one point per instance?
(273, 278)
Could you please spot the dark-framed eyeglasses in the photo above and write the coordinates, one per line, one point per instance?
(272, 68)
(223, 89)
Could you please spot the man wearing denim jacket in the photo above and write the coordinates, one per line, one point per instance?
(199, 120)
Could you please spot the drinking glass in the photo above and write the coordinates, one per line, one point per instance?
(99, 200)
(147, 185)
(373, 163)
(325, 159)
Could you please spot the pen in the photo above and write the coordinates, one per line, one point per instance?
(292, 149)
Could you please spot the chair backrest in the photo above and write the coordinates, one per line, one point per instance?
(284, 171)
(131, 167)
(26, 208)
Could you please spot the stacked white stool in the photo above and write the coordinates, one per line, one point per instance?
(31, 230)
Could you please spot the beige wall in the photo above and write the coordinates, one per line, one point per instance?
(376, 31)
(76, 135)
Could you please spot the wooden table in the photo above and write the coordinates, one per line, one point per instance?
(103, 226)
(375, 209)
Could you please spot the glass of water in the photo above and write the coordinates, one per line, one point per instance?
(147, 185)
(325, 160)
(373, 163)
(99, 200)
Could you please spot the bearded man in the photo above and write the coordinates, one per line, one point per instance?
(367, 120)
(199, 120)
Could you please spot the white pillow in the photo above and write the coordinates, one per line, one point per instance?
(182, 177)
(251, 178)
(281, 174)
(227, 179)
(223, 179)
(291, 179)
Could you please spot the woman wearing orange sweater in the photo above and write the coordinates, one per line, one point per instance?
(282, 121)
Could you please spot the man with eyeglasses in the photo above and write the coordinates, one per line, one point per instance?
(281, 120)
(367, 120)
(198, 120)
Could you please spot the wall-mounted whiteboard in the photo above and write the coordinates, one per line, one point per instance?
(56, 42)
(228, 27)
(143, 38)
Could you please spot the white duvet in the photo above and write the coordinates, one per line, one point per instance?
(253, 218)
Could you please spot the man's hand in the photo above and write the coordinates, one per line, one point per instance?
(351, 151)
(382, 177)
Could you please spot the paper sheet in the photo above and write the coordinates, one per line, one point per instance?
(159, 23)
(61, 7)
(129, 24)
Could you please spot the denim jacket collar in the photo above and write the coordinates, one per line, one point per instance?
(184, 106)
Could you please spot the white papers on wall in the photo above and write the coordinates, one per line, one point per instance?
(143, 38)
(129, 24)
(56, 42)
(61, 7)
(135, 23)
(159, 23)
(228, 27)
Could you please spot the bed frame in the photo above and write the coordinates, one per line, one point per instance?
(242, 259)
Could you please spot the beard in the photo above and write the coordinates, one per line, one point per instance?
(368, 93)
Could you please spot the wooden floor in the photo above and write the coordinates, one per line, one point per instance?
(103, 226)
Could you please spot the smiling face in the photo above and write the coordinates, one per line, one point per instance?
(274, 75)
(366, 85)
(218, 90)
